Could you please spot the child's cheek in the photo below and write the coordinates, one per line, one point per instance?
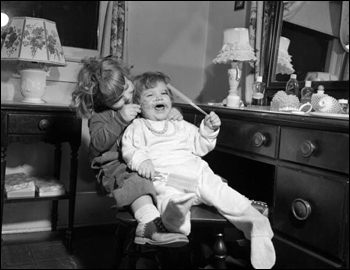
(145, 105)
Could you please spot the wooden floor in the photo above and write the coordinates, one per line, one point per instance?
(94, 248)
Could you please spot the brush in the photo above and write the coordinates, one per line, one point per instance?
(185, 98)
(180, 182)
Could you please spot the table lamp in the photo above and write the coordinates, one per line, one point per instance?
(34, 44)
(284, 65)
(236, 49)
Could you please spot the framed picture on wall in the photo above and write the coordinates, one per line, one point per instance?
(239, 5)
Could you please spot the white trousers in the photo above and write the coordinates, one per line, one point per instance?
(174, 206)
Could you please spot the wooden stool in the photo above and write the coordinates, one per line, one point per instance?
(202, 216)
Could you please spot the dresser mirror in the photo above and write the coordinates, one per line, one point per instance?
(316, 51)
(79, 24)
(74, 31)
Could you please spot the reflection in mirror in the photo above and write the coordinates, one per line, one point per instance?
(79, 30)
(313, 30)
(284, 65)
(314, 50)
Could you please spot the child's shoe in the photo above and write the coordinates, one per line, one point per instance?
(262, 207)
(154, 233)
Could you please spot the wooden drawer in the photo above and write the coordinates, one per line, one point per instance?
(322, 149)
(250, 137)
(292, 256)
(43, 124)
(311, 208)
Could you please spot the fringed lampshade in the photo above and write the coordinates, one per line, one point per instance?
(284, 65)
(34, 44)
(236, 49)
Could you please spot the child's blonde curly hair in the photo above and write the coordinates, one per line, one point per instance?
(101, 83)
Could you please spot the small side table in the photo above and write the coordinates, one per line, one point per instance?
(53, 124)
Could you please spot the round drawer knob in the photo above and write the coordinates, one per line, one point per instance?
(258, 139)
(301, 209)
(44, 124)
(307, 148)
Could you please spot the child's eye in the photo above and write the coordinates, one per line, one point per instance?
(165, 93)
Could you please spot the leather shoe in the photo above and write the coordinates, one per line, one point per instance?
(154, 233)
(262, 207)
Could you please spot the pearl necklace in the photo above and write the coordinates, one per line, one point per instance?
(163, 131)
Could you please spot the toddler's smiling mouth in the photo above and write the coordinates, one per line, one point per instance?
(159, 107)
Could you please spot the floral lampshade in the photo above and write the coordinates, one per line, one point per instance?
(32, 40)
(34, 44)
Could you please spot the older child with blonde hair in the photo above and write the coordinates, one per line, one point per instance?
(104, 95)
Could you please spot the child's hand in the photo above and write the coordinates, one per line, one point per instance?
(129, 111)
(175, 114)
(212, 121)
(146, 169)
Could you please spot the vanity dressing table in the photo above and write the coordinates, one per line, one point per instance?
(53, 124)
(299, 165)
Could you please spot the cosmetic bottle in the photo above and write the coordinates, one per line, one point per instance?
(258, 97)
(306, 93)
(292, 86)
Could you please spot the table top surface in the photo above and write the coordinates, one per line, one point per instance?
(20, 106)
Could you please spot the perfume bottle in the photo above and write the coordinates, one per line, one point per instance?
(258, 96)
(306, 93)
(292, 86)
(344, 105)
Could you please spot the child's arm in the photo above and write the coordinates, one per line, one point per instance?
(204, 137)
(105, 129)
(212, 122)
(129, 112)
(146, 169)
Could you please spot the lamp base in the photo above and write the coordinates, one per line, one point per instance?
(33, 100)
(233, 101)
(33, 82)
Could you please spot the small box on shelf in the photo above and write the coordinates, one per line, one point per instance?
(19, 185)
(46, 186)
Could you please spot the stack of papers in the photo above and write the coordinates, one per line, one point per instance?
(19, 185)
(48, 186)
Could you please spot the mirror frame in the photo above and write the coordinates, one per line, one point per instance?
(274, 21)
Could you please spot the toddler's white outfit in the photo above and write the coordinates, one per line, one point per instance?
(175, 148)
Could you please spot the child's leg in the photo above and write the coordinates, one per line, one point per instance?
(150, 229)
(140, 195)
(174, 206)
(144, 209)
(177, 216)
(238, 210)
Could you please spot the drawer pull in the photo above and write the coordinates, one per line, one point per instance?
(258, 139)
(44, 124)
(307, 148)
(301, 209)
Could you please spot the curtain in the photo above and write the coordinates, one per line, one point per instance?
(344, 26)
(291, 8)
(114, 30)
(255, 32)
(118, 29)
